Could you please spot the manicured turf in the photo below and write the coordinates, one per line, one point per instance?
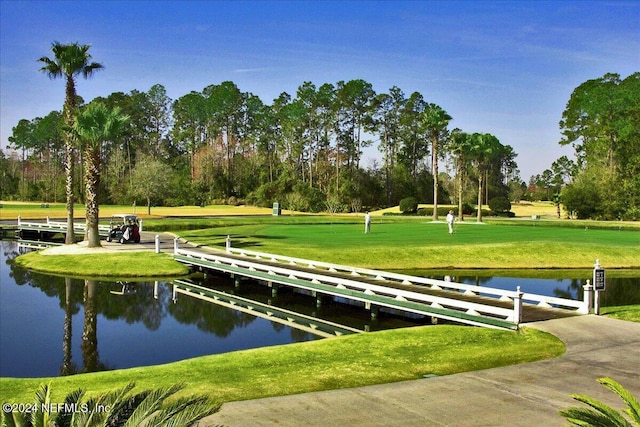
(423, 244)
(113, 265)
(350, 361)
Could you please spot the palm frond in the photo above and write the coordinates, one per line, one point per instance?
(604, 409)
(42, 418)
(14, 419)
(633, 409)
(585, 417)
(124, 409)
(150, 404)
(64, 417)
(184, 412)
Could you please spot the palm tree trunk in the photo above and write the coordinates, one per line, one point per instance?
(435, 177)
(92, 176)
(68, 170)
(69, 111)
(460, 183)
(480, 197)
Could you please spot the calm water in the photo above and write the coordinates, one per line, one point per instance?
(51, 325)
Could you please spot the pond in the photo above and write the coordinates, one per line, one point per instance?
(53, 326)
(57, 326)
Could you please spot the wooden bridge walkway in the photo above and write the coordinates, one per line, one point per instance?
(469, 304)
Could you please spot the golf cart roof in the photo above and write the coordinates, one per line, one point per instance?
(124, 217)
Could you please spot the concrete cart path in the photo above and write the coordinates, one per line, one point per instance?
(523, 395)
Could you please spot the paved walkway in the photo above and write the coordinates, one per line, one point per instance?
(523, 395)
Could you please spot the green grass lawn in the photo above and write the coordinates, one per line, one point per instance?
(111, 265)
(423, 244)
(624, 312)
(350, 361)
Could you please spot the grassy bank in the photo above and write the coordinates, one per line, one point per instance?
(113, 265)
(350, 361)
(630, 313)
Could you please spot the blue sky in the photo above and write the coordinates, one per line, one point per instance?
(506, 68)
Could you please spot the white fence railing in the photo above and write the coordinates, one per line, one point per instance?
(58, 226)
(513, 315)
(581, 307)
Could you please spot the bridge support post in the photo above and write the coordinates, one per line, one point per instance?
(517, 306)
(375, 310)
(274, 289)
(237, 281)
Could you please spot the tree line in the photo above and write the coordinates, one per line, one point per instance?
(602, 123)
(223, 145)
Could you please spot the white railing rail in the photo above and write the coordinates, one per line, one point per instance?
(57, 225)
(507, 314)
(378, 274)
(504, 295)
(550, 302)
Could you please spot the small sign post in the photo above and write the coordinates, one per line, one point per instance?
(598, 285)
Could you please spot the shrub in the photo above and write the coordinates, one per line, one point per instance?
(500, 205)
(409, 205)
(581, 198)
(468, 209)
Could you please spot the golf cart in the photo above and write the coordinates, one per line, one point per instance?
(124, 228)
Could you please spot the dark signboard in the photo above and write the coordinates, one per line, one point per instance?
(598, 279)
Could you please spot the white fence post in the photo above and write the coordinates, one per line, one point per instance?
(18, 220)
(228, 243)
(157, 243)
(517, 306)
(175, 245)
(588, 290)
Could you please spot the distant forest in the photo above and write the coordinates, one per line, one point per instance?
(304, 150)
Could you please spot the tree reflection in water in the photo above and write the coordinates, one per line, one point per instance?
(67, 368)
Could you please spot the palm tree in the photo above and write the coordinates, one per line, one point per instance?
(435, 120)
(69, 61)
(483, 147)
(604, 415)
(95, 125)
(115, 408)
(460, 147)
